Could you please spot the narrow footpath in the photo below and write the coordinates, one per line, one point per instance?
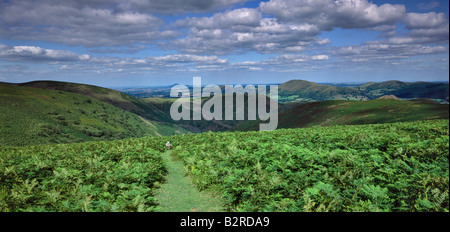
(178, 193)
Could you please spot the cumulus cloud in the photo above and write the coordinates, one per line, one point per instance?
(205, 30)
(102, 23)
(328, 14)
(64, 23)
(424, 20)
(38, 54)
(423, 28)
(243, 30)
(235, 18)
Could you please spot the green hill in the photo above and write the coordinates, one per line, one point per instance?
(154, 109)
(110, 96)
(300, 90)
(339, 112)
(305, 91)
(407, 89)
(38, 116)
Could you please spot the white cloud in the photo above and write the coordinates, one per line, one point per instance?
(61, 22)
(382, 51)
(242, 30)
(290, 30)
(38, 54)
(323, 41)
(327, 14)
(424, 20)
(187, 58)
(319, 57)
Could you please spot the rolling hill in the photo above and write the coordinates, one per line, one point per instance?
(54, 112)
(340, 112)
(406, 89)
(300, 90)
(110, 96)
(305, 91)
(153, 109)
(32, 116)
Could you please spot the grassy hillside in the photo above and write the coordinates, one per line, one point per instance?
(113, 97)
(378, 167)
(399, 167)
(328, 113)
(39, 116)
(154, 109)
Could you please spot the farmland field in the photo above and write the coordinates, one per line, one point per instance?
(381, 167)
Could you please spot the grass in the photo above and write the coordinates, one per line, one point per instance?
(178, 194)
(391, 167)
(383, 167)
(111, 176)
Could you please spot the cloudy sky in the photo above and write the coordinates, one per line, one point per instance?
(116, 43)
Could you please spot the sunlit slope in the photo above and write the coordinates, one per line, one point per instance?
(38, 116)
(124, 101)
(339, 112)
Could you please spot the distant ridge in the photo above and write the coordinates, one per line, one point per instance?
(305, 91)
(319, 92)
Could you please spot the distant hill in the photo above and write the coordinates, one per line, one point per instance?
(31, 116)
(339, 112)
(214, 125)
(300, 90)
(406, 89)
(305, 91)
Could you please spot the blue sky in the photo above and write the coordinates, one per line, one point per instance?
(115, 43)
